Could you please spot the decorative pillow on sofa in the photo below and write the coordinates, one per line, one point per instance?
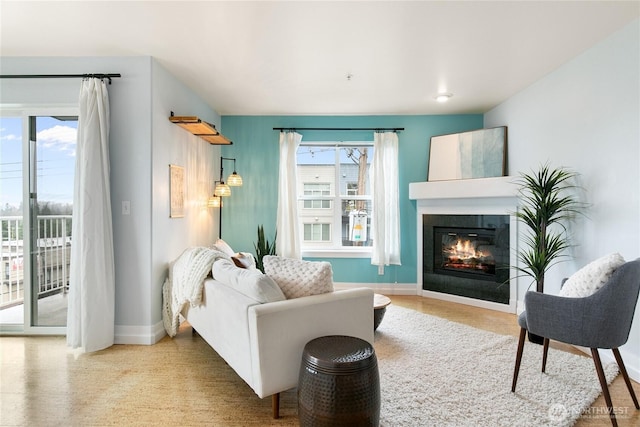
(591, 277)
(251, 283)
(224, 247)
(298, 278)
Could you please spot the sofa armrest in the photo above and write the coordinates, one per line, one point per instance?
(279, 331)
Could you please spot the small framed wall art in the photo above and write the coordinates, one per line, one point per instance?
(176, 191)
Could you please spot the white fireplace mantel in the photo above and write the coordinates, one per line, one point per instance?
(503, 186)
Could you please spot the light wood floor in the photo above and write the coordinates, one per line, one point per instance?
(182, 381)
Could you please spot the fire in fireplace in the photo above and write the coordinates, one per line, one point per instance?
(464, 250)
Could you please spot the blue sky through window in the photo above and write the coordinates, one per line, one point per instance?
(56, 151)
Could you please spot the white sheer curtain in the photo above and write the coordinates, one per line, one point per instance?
(288, 238)
(385, 224)
(91, 311)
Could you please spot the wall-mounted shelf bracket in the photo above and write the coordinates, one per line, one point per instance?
(200, 128)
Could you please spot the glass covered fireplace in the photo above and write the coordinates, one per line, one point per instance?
(467, 255)
(464, 252)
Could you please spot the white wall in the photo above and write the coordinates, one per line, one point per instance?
(201, 160)
(586, 116)
(142, 143)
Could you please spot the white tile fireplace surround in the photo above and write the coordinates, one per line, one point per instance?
(481, 196)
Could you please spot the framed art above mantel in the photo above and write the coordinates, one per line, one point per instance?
(479, 153)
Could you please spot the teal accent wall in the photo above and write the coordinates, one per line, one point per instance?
(255, 146)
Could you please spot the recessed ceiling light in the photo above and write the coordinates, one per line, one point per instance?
(443, 97)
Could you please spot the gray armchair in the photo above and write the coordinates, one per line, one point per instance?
(601, 320)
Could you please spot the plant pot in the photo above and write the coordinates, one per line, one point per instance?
(536, 339)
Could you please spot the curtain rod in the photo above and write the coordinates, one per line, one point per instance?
(60, 76)
(346, 129)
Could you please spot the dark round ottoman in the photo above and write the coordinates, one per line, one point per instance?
(339, 383)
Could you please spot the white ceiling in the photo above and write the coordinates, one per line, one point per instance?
(273, 58)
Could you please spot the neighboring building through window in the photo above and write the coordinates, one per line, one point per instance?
(317, 190)
(317, 232)
(334, 195)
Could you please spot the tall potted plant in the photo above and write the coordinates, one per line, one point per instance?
(547, 205)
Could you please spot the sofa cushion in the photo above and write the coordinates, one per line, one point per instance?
(249, 282)
(591, 277)
(298, 278)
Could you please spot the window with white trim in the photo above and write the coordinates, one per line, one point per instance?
(334, 195)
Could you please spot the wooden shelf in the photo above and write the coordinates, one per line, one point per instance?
(200, 128)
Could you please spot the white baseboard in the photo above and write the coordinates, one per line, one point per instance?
(507, 308)
(381, 288)
(139, 335)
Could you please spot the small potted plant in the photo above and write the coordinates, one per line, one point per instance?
(263, 248)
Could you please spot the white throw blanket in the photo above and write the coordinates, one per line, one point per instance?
(184, 284)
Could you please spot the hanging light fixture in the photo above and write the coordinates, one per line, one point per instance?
(234, 179)
(215, 202)
(222, 189)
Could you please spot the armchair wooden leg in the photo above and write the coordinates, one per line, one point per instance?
(516, 370)
(545, 350)
(623, 371)
(603, 384)
(275, 404)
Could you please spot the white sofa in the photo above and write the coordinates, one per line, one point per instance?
(263, 342)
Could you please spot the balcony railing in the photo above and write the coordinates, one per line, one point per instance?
(52, 253)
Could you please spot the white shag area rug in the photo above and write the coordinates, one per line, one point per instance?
(434, 372)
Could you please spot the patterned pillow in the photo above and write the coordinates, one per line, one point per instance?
(591, 277)
(298, 278)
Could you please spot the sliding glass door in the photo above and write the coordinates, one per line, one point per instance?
(37, 166)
